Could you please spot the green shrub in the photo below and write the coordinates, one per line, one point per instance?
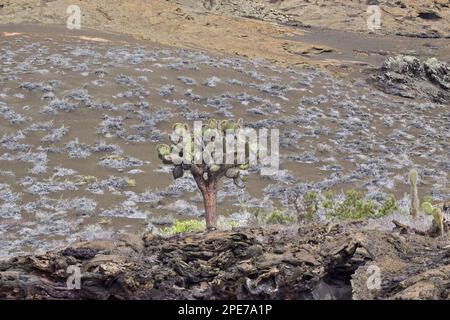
(389, 206)
(354, 207)
(184, 226)
(328, 202)
(311, 204)
(260, 217)
(228, 224)
(258, 214)
(278, 217)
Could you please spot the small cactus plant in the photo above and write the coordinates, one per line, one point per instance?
(206, 175)
(438, 217)
(415, 202)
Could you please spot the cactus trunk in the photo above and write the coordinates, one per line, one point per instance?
(209, 198)
(414, 201)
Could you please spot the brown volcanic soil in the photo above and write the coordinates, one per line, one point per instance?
(163, 22)
(222, 26)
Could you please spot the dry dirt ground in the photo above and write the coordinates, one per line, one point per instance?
(218, 26)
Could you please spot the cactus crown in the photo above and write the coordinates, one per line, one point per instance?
(232, 171)
(428, 208)
(437, 214)
(413, 175)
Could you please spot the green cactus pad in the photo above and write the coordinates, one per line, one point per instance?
(213, 124)
(223, 125)
(214, 168)
(427, 208)
(163, 150)
(180, 126)
(244, 166)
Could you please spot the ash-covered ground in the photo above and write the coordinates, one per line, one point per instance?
(80, 119)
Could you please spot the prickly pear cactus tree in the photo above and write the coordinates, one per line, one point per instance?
(207, 173)
(438, 217)
(415, 202)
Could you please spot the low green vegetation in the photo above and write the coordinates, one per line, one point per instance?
(353, 205)
(258, 216)
(184, 226)
(390, 206)
(356, 207)
(278, 217)
(311, 204)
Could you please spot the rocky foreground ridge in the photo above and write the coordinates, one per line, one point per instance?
(317, 262)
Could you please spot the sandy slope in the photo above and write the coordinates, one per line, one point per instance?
(407, 17)
(223, 26)
(163, 22)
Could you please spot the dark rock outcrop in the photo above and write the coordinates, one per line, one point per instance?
(407, 76)
(320, 262)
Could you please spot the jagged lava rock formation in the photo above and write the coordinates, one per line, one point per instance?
(317, 262)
